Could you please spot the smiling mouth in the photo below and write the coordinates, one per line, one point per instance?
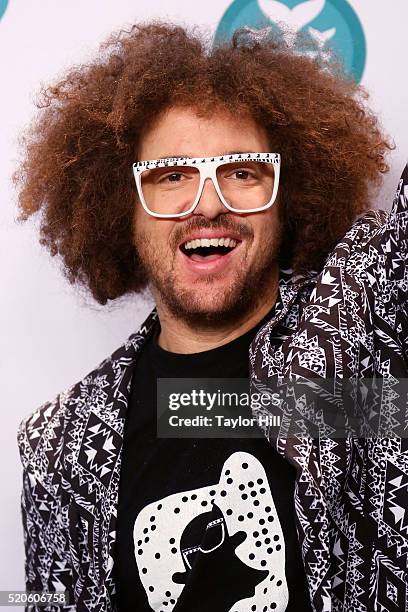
(207, 249)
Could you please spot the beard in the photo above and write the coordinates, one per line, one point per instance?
(227, 304)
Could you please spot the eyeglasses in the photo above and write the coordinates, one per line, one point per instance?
(172, 187)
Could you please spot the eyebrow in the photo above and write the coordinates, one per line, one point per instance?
(195, 156)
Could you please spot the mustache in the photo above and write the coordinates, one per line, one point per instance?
(240, 229)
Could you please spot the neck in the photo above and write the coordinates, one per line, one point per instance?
(177, 336)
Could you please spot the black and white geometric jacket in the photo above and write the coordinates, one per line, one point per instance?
(351, 496)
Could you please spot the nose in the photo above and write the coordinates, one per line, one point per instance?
(209, 204)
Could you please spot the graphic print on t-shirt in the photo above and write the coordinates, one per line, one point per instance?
(223, 541)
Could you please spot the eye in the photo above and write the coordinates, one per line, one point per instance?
(242, 174)
(238, 172)
(174, 177)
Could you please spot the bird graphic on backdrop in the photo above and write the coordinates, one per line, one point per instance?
(297, 18)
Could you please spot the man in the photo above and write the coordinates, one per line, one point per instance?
(234, 182)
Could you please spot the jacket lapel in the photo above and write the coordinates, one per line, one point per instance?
(123, 366)
(94, 442)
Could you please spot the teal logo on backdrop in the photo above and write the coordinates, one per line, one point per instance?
(3, 6)
(331, 23)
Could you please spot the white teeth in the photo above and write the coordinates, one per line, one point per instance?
(206, 242)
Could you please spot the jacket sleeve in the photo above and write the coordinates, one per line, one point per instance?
(396, 253)
(353, 328)
(46, 545)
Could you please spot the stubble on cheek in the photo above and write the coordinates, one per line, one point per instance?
(156, 263)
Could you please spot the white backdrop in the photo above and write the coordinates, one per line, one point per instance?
(51, 336)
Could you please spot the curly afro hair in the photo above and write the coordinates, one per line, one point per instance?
(76, 170)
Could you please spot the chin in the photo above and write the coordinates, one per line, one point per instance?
(210, 310)
(210, 298)
(208, 306)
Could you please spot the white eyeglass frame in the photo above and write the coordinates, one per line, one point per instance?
(207, 167)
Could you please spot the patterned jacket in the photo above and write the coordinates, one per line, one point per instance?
(351, 495)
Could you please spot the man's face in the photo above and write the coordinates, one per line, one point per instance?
(218, 288)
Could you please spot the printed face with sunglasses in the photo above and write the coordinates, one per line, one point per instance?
(206, 221)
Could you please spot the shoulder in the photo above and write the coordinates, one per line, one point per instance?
(40, 426)
(40, 434)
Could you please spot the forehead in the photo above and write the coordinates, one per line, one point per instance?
(180, 132)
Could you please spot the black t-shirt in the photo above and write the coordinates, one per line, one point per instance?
(204, 525)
